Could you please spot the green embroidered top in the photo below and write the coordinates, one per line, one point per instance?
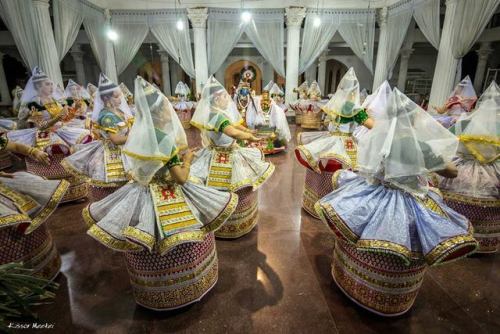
(359, 118)
(108, 121)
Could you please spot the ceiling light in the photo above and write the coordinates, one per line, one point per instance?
(180, 25)
(246, 16)
(112, 35)
(317, 21)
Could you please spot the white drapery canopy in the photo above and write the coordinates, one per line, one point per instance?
(265, 30)
(68, 17)
(18, 17)
(427, 17)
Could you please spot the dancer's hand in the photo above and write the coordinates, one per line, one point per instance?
(7, 175)
(40, 156)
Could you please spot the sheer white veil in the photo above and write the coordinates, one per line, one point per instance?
(30, 93)
(405, 144)
(107, 87)
(75, 91)
(345, 102)
(156, 136)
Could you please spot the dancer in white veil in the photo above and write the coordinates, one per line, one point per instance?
(386, 218)
(460, 101)
(475, 192)
(223, 164)
(78, 99)
(161, 215)
(101, 161)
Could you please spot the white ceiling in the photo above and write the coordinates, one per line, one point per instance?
(156, 4)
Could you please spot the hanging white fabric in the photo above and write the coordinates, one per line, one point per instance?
(131, 30)
(68, 17)
(93, 23)
(177, 43)
(223, 32)
(266, 31)
(398, 19)
(357, 28)
(18, 17)
(469, 21)
(426, 15)
(315, 38)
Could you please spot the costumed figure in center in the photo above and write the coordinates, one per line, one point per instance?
(41, 108)
(461, 101)
(312, 116)
(300, 106)
(475, 192)
(242, 98)
(101, 162)
(323, 152)
(389, 225)
(26, 203)
(161, 220)
(183, 107)
(224, 165)
(78, 100)
(269, 121)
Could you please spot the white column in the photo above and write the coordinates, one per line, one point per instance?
(294, 17)
(482, 60)
(110, 67)
(446, 63)
(165, 72)
(322, 72)
(77, 54)
(4, 89)
(403, 68)
(198, 18)
(311, 72)
(48, 59)
(381, 69)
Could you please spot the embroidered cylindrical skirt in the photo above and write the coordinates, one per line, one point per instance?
(36, 250)
(244, 218)
(379, 282)
(97, 193)
(179, 278)
(78, 188)
(185, 118)
(316, 186)
(5, 159)
(484, 216)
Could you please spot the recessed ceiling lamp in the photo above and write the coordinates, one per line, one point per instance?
(317, 21)
(112, 35)
(179, 25)
(246, 16)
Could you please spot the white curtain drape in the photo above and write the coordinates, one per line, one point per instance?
(93, 23)
(426, 15)
(357, 28)
(18, 17)
(469, 21)
(176, 42)
(315, 39)
(266, 30)
(68, 17)
(132, 30)
(223, 32)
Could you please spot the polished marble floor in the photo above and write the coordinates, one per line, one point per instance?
(274, 280)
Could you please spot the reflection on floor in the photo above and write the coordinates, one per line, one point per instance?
(274, 280)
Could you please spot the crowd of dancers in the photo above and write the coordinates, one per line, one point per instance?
(401, 188)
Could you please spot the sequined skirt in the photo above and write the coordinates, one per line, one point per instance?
(78, 188)
(244, 218)
(316, 186)
(5, 159)
(36, 250)
(380, 283)
(179, 278)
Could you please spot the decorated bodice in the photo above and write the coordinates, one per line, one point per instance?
(40, 113)
(217, 136)
(111, 123)
(347, 124)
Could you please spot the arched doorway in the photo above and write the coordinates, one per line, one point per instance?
(335, 70)
(233, 72)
